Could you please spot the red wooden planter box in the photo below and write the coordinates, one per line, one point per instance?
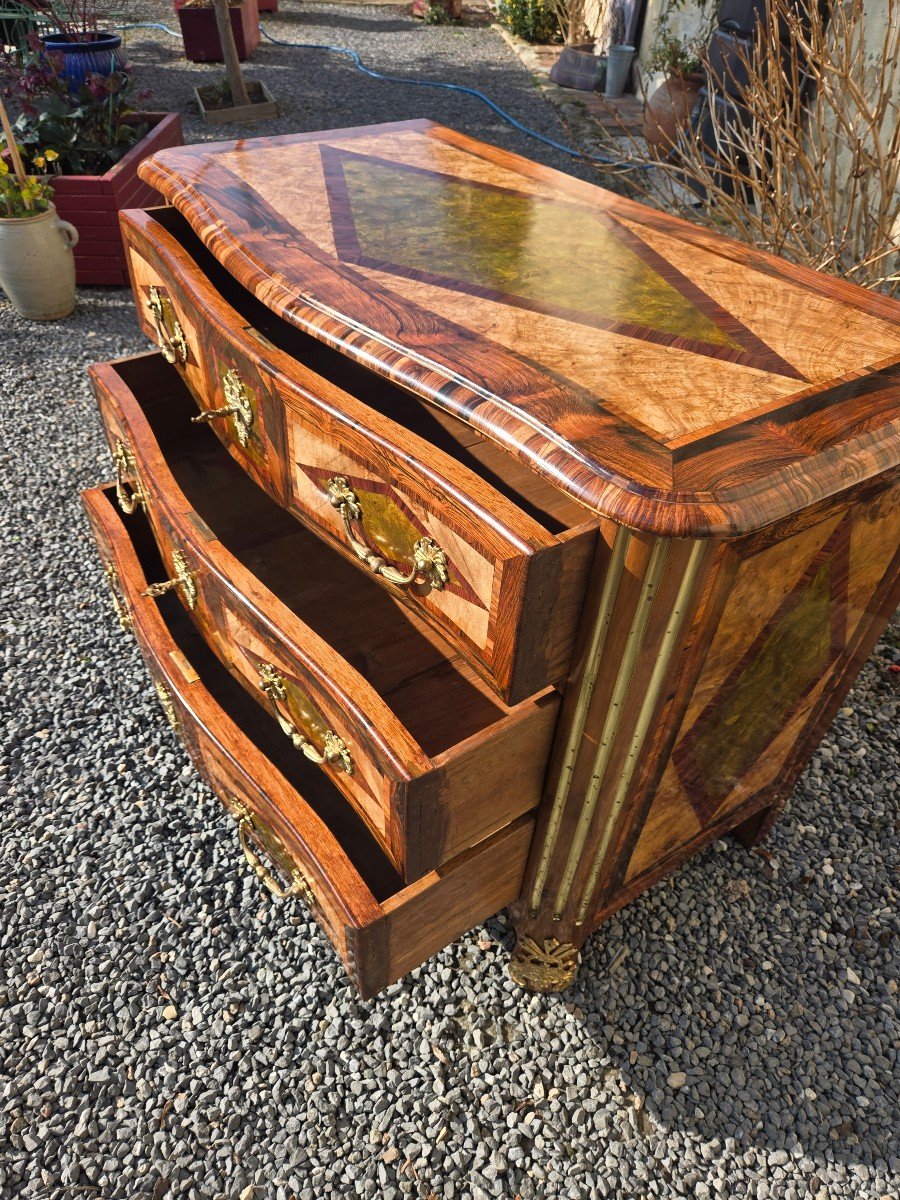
(201, 34)
(267, 5)
(92, 204)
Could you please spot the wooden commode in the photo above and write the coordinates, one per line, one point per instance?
(492, 540)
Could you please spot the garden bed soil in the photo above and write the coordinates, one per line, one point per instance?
(262, 105)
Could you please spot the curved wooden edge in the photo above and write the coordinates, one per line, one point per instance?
(518, 547)
(344, 899)
(335, 683)
(494, 521)
(378, 941)
(729, 512)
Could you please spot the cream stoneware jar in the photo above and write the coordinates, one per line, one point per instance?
(37, 267)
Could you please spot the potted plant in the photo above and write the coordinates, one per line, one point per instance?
(89, 144)
(71, 29)
(233, 98)
(679, 57)
(200, 30)
(578, 66)
(37, 270)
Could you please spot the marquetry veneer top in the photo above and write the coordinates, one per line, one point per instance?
(666, 377)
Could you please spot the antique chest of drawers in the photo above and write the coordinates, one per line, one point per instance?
(492, 540)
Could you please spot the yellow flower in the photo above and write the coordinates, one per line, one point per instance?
(40, 161)
(4, 169)
(51, 155)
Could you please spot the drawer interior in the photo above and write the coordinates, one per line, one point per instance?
(537, 498)
(310, 782)
(429, 687)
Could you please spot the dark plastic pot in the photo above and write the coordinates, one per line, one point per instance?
(98, 55)
(579, 67)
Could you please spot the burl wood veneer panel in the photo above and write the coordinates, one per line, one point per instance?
(674, 381)
(795, 615)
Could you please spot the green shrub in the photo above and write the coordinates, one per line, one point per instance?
(529, 19)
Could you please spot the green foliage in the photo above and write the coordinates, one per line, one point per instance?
(532, 20)
(680, 54)
(436, 14)
(22, 199)
(84, 133)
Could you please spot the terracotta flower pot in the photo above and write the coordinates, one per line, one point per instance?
(37, 270)
(669, 109)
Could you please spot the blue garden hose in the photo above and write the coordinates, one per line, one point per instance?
(596, 159)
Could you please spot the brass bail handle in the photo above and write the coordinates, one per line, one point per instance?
(173, 344)
(238, 406)
(183, 578)
(429, 560)
(129, 493)
(118, 600)
(299, 885)
(335, 751)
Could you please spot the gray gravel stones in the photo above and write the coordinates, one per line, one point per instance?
(319, 90)
(166, 1030)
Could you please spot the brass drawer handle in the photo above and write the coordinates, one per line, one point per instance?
(115, 588)
(168, 706)
(299, 885)
(429, 560)
(184, 578)
(173, 344)
(335, 751)
(129, 492)
(238, 406)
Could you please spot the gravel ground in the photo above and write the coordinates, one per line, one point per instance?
(317, 90)
(168, 1031)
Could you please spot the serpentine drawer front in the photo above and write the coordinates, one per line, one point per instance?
(492, 555)
(297, 832)
(505, 510)
(432, 760)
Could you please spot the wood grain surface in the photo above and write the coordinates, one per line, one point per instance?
(380, 928)
(517, 549)
(674, 381)
(352, 661)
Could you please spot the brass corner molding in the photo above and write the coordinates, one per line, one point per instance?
(549, 967)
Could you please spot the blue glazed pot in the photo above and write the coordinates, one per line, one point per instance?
(99, 56)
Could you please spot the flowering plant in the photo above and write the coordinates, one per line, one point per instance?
(22, 198)
(64, 133)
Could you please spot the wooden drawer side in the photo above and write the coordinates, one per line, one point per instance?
(514, 552)
(380, 928)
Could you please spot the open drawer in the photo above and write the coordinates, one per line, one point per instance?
(292, 822)
(428, 754)
(489, 552)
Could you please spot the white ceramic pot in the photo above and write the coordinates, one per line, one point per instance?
(37, 267)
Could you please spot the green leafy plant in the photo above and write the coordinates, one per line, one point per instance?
(437, 14)
(678, 53)
(532, 20)
(22, 198)
(62, 133)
